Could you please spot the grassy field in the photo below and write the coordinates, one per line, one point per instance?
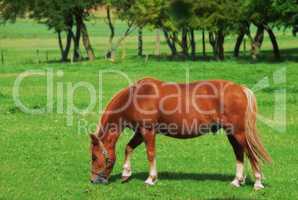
(43, 158)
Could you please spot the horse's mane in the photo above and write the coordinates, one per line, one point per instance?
(110, 106)
(115, 101)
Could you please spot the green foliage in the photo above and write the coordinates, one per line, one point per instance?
(272, 12)
(138, 13)
(11, 9)
(56, 14)
(219, 15)
(176, 18)
(287, 12)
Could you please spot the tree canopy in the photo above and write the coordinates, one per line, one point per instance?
(178, 19)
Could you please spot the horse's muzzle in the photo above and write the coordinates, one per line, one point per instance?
(99, 180)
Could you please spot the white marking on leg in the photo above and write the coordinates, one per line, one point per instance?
(240, 178)
(152, 179)
(126, 170)
(127, 164)
(258, 183)
(239, 170)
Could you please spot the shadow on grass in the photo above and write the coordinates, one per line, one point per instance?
(182, 176)
(265, 56)
(228, 198)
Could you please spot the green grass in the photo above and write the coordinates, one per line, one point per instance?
(43, 158)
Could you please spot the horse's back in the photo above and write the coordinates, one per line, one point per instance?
(204, 102)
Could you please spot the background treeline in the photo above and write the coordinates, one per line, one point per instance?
(178, 20)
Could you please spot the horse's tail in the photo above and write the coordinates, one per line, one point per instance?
(256, 150)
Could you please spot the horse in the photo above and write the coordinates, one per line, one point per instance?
(151, 106)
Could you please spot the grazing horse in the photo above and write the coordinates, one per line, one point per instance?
(181, 111)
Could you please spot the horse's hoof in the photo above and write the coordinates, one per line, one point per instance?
(151, 181)
(125, 179)
(235, 183)
(242, 182)
(258, 186)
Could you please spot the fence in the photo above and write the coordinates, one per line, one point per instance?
(38, 56)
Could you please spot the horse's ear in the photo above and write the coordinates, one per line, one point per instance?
(94, 139)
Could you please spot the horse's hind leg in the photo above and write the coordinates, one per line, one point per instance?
(135, 141)
(238, 144)
(256, 171)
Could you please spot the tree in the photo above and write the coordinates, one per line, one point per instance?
(267, 15)
(219, 18)
(60, 16)
(140, 42)
(181, 13)
(288, 14)
(119, 7)
(136, 14)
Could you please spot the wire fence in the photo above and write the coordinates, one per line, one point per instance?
(38, 56)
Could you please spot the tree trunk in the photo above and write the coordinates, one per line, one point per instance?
(203, 43)
(259, 38)
(274, 42)
(65, 51)
(86, 41)
(216, 40)
(212, 42)
(60, 45)
(68, 45)
(238, 43)
(111, 52)
(171, 44)
(257, 42)
(76, 40)
(157, 52)
(220, 45)
(184, 43)
(193, 44)
(174, 39)
(140, 42)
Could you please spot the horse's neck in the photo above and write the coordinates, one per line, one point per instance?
(110, 139)
(111, 128)
(111, 123)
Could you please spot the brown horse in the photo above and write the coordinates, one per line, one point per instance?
(183, 111)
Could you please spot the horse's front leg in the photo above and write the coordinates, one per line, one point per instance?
(149, 139)
(135, 141)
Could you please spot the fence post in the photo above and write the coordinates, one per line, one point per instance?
(71, 58)
(37, 54)
(123, 50)
(2, 57)
(47, 56)
(146, 58)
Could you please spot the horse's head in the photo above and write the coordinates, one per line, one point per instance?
(100, 161)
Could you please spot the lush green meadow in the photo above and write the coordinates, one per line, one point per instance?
(43, 158)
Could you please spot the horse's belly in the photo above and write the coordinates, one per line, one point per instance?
(182, 136)
(183, 128)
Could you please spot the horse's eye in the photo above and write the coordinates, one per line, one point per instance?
(94, 158)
